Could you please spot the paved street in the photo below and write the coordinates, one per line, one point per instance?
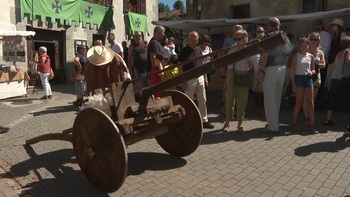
(225, 164)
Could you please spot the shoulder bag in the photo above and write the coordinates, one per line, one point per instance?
(52, 74)
(345, 81)
(241, 79)
(76, 76)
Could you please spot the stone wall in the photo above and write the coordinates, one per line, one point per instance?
(10, 20)
(210, 10)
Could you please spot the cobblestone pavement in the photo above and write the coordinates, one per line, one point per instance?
(225, 164)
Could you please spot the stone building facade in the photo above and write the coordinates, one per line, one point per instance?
(62, 37)
(209, 9)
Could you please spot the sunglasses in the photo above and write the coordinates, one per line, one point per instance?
(237, 39)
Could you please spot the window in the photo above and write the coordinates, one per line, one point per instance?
(103, 2)
(241, 11)
(136, 6)
(77, 43)
(309, 6)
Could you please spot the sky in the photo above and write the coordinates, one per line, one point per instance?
(171, 2)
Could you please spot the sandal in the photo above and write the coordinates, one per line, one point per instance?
(294, 127)
(240, 130)
(328, 122)
(226, 127)
(313, 130)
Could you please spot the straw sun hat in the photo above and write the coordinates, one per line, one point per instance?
(100, 55)
(339, 22)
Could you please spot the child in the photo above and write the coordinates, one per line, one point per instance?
(171, 72)
(161, 60)
(302, 69)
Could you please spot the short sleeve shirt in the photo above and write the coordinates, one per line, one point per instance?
(117, 48)
(153, 47)
(185, 54)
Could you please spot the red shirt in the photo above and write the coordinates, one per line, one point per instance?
(46, 67)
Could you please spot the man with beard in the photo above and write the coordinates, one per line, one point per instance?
(137, 61)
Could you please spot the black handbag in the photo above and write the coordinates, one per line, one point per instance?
(345, 82)
(241, 79)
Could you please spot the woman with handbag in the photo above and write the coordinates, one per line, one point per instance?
(238, 82)
(320, 63)
(77, 76)
(338, 34)
(339, 94)
(44, 70)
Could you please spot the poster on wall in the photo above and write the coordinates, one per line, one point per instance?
(13, 48)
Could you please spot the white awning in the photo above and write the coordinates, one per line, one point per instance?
(295, 22)
(16, 33)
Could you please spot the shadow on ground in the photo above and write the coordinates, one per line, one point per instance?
(139, 162)
(332, 147)
(54, 110)
(37, 174)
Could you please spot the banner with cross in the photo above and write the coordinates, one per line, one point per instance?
(137, 22)
(68, 10)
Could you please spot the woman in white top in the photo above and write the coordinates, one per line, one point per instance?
(302, 69)
(201, 50)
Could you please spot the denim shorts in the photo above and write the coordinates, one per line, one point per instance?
(303, 81)
(79, 87)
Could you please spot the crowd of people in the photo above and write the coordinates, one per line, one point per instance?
(318, 62)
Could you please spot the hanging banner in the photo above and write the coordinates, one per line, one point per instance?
(68, 10)
(95, 14)
(137, 22)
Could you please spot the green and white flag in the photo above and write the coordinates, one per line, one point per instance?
(95, 14)
(68, 10)
(137, 22)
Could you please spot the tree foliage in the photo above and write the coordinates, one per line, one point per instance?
(163, 8)
(179, 5)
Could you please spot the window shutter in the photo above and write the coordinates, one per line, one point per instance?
(143, 7)
(126, 6)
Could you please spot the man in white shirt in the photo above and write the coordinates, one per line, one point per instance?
(115, 46)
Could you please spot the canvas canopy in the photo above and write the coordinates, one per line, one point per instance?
(17, 33)
(295, 23)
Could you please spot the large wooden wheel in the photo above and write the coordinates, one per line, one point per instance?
(100, 150)
(183, 137)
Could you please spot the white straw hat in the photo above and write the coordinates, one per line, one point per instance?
(100, 55)
(339, 22)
